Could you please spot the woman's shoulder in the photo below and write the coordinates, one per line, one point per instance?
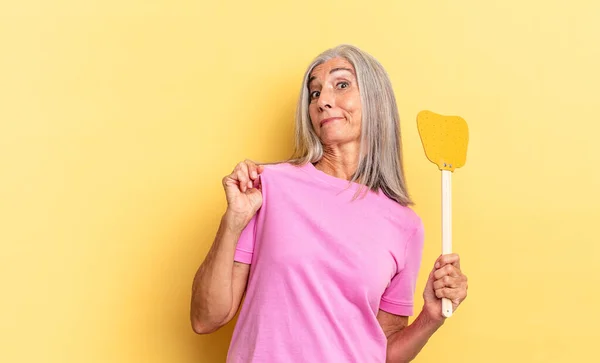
(281, 167)
(278, 165)
(404, 215)
(281, 171)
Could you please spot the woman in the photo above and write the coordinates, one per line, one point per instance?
(325, 246)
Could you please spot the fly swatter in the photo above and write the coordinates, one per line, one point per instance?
(445, 140)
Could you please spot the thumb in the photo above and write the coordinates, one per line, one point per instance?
(430, 278)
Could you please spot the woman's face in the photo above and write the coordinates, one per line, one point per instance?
(335, 107)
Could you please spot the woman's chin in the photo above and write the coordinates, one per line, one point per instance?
(337, 140)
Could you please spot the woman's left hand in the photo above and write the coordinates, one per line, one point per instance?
(446, 280)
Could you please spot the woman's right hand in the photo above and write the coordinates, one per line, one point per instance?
(243, 193)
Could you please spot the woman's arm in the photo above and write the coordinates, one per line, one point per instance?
(446, 280)
(220, 283)
(405, 342)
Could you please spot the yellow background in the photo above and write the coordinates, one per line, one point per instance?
(119, 119)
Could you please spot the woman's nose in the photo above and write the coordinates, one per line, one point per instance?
(326, 99)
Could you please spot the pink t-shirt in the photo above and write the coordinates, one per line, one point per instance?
(322, 266)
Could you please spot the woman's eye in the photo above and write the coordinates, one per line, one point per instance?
(343, 85)
(314, 94)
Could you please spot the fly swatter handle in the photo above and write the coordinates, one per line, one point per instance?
(446, 228)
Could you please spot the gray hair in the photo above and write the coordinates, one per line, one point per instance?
(380, 161)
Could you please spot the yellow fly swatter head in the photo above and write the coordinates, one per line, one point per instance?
(444, 138)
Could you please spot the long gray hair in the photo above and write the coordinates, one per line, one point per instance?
(380, 161)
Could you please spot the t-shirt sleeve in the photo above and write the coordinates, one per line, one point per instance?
(245, 246)
(398, 298)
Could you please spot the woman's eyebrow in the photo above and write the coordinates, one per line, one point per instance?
(341, 69)
(312, 78)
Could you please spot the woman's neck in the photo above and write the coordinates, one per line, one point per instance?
(338, 163)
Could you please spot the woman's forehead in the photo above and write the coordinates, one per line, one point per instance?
(329, 67)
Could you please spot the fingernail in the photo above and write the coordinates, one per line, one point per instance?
(254, 174)
(437, 265)
(250, 184)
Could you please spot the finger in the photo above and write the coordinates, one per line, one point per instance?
(442, 293)
(456, 295)
(449, 270)
(242, 177)
(243, 166)
(451, 282)
(226, 180)
(239, 177)
(252, 169)
(246, 168)
(231, 179)
(452, 258)
(449, 259)
(447, 281)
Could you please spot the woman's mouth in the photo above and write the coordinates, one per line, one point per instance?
(324, 121)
